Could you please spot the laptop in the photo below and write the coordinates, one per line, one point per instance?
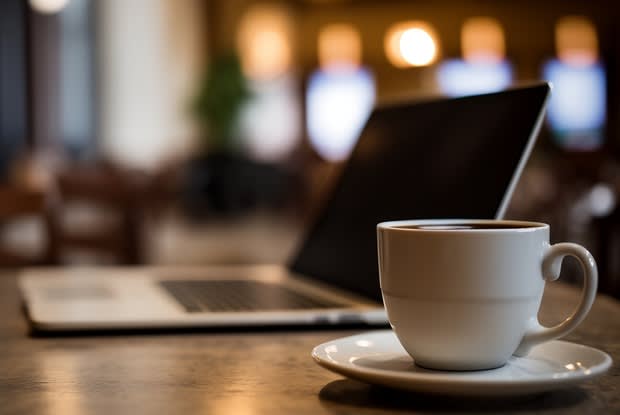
(430, 158)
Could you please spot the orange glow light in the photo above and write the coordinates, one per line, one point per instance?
(339, 46)
(411, 44)
(482, 40)
(576, 41)
(264, 42)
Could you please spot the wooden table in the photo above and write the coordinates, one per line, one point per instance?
(257, 372)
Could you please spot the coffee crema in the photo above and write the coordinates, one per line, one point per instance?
(468, 226)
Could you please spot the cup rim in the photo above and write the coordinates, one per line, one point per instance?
(516, 225)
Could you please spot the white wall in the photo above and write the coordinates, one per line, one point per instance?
(151, 59)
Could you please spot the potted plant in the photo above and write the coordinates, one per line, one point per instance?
(216, 179)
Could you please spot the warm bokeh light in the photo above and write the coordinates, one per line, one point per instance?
(411, 44)
(576, 41)
(417, 47)
(264, 42)
(48, 6)
(482, 40)
(339, 46)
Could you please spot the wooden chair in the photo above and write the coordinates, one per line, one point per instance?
(99, 214)
(19, 203)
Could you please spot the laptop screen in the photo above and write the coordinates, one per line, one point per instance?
(443, 158)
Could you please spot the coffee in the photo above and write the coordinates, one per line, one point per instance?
(463, 226)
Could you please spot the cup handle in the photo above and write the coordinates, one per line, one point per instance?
(551, 265)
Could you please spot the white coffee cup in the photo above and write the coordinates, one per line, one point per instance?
(464, 294)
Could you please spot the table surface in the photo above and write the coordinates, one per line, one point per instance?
(252, 372)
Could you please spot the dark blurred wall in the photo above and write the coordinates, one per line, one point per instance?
(13, 81)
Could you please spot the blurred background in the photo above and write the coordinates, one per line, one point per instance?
(191, 132)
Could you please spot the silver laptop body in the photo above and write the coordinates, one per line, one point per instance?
(433, 158)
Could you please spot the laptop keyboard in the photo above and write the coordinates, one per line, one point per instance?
(239, 295)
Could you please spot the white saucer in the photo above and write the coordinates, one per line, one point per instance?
(378, 358)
